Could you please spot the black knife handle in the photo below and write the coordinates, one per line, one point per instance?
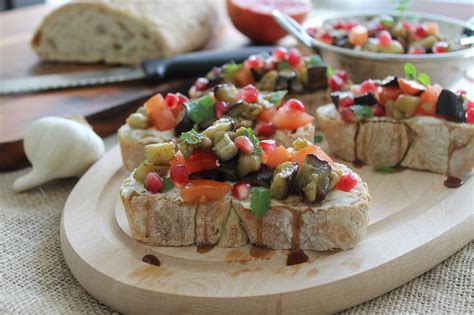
(193, 64)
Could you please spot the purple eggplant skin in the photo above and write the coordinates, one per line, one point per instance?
(451, 105)
(216, 175)
(336, 97)
(390, 81)
(185, 124)
(317, 78)
(263, 177)
(365, 99)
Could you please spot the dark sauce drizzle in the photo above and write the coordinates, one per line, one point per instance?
(453, 182)
(296, 257)
(202, 249)
(151, 259)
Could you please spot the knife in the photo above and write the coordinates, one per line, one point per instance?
(151, 71)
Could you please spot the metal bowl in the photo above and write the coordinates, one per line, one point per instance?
(445, 69)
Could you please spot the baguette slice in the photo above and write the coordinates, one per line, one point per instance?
(340, 221)
(422, 142)
(123, 32)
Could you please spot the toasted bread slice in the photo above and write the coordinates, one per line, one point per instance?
(422, 142)
(340, 221)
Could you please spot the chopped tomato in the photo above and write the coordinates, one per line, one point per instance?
(200, 161)
(290, 119)
(159, 113)
(267, 114)
(410, 87)
(202, 190)
(431, 94)
(178, 159)
(278, 156)
(300, 155)
(426, 109)
(244, 77)
(388, 94)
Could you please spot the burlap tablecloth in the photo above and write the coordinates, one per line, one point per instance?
(34, 277)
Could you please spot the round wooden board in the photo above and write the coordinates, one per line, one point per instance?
(416, 222)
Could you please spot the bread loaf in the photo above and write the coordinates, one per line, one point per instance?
(123, 32)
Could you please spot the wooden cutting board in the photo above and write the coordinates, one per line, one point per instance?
(105, 107)
(416, 223)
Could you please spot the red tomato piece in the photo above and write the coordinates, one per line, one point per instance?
(410, 87)
(278, 156)
(267, 114)
(159, 113)
(202, 190)
(388, 94)
(200, 161)
(290, 119)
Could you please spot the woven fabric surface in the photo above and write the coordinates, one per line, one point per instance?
(34, 277)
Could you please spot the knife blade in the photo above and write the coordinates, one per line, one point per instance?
(151, 71)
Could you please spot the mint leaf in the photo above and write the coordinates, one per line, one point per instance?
(202, 109)
(314, 60)
(410, 71)
(192, 137)
(402, 6)
(383, 169)
(362, 112)
(248, 132)
(276, 97)
(318, 139)
(283, 65)
(232, 67)
(387, 20)
(329, 72)
(260, 201)
(167, 185)
(423, 78)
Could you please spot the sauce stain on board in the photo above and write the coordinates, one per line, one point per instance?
(238, 272)
(354, 263)
(151, 271)
(261, 253)
(312, 272)
(237, 256)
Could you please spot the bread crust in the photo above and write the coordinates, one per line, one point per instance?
(422, 142)
(125, 32)
(340, 221)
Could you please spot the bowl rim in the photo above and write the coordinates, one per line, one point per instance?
(319, 20)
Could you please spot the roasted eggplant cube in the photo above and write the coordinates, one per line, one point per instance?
(225, 148)
(365, 99)
(283, 180)
(284, 80)
(317, 78)
(159, 153)
(262, 177)
(226, 93)
(451, 105)
(184, 123)
(314, 179)
(219, 127)
(217, 175)
(248, 163)
(143, 169)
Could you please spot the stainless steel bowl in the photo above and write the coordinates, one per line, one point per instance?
(445, 69)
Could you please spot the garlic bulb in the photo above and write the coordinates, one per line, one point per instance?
(57, 148)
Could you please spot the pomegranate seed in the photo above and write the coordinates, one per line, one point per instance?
(461, 92)
(268, 146)
(153, 183)
(172, 100)
(440, 47)
(279, 54)
(182, 98)
(343, 75)
(312, 30)
(241, 190)
(294, 57)
(295, 104)
(345, 102)
(347, 182)
(407, 26)
(265, 130)
(417, 50)
(470, 112)
(385, 38)
(254, 62)
(249, 93)
(421, 31)
(349, 25)
(244, 144)
(378, 111)
(338, 25)
(179, 175)
(326, 38)
(201, 84)
(367, 86)
(220, 109)
(336, 83)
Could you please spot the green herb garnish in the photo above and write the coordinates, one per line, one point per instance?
(314, 60)
(260, 201)
(167, 184)
(387, 20)
(410, 74)
(283, 65)
(232, 67)
(248, 132)
(362, 112)
(276, 97)
(383, 169)
(402, 6)
(329, 72)
(202, 109)
(318, 139)
(192, 137)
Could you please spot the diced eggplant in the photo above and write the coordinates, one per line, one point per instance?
(365, 99)
(336, 97)
(283, 180)
(317, 78)
(262, 177)
(390, 81)
(142, 170)
(160, 153)
(225, 148)
(138, 121)
(184, 123)
(217, 175)
(314, 178)
(405, 106)
(248, 163)
(257, 73)
(219, 127)
(268, 81)
(284, 80)
(229, 169)
(226, 92)
(451, 105)
(215, 76)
